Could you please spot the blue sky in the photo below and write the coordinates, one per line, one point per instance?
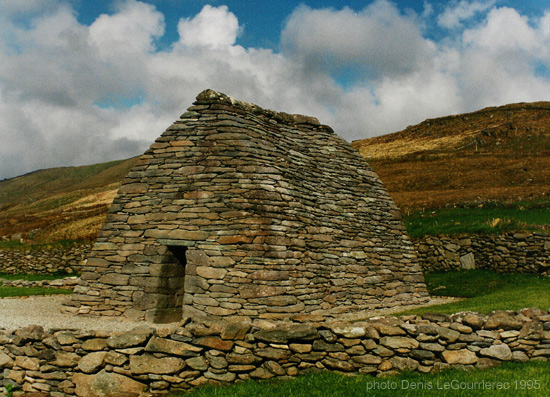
(89, 81)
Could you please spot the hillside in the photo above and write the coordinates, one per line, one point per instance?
(60, 203)
(498, 153)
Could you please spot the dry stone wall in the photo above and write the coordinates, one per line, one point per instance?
(44, 260)
(240, 211)
(69, 362)
(509, 253)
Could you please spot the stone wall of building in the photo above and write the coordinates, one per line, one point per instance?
(508, 253)
(69, 362)
(44, 260)
(240, 211)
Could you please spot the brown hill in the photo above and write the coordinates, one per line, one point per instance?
(60, 203)
(498, 153)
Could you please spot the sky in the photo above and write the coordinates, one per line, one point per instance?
(83, 82)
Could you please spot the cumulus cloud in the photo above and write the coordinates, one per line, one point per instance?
(213, 27)
(458, 12)
(72, 93)
(378, 40)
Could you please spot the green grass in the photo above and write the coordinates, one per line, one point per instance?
(486, 291)
(17, 245)
(8, 292)
(35, 277)
(490, 218)
(526, 379)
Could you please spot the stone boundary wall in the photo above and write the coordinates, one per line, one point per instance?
(44, 260)
(155, 361)
(509, 253)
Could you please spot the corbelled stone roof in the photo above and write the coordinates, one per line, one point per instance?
(240, 211)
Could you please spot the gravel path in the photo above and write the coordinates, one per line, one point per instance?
(46, 311)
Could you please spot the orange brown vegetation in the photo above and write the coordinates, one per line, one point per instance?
(68, 203)
(499, 153)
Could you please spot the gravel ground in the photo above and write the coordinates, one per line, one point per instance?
(46, 311)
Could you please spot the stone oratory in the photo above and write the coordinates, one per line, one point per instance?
(237, 211)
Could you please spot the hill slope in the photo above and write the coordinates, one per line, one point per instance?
(60, 203)
(498, 153)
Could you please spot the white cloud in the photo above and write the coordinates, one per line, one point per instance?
(504, 29)
(376, 41)
(213, 27)
(75, 94)
(458, 12)
(132, 29)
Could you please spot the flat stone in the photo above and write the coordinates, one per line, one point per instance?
(502, 320)
(520, 356)
(124, 341)
(149, 364)
(473, 320)
(66, 338)
(66, 359)
(31, 332)
(275, 368)
(106, 384)
(421, 355)
(349, 331)
(367, 359)
(168, 346)
(95, 344)
(273, 354)
(215, 343)
(338, 365)
(115, 358)
(300, 348)
(404, 363)
(207, 272)
(284, 335)
(30, 363)
(399, 342)
(464, 356)
(235, 330)
(198, 363)
(500, 352)
(447, 334)
(5, 360)
(261, 373)
(91, 362)
(227, 377)
(114, 279)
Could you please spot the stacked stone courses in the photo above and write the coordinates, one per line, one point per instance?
(149, 362)
(240, 211)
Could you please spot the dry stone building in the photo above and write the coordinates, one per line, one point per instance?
(240, 211)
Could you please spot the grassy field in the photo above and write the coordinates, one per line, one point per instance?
(487, 218)
(10, 292)
(486, 291)
(530, 379)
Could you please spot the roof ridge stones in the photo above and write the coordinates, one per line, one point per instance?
(208, 97)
